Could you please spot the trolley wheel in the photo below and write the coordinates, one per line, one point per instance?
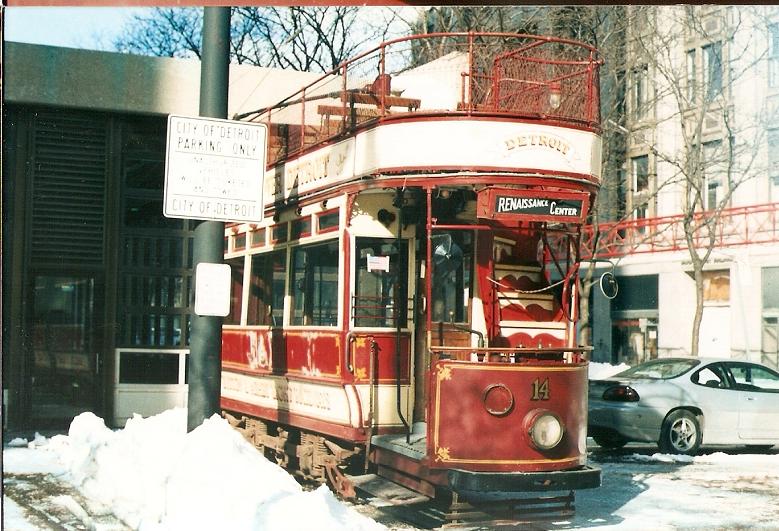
(681, 433)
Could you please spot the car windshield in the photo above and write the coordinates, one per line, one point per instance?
(660, 369)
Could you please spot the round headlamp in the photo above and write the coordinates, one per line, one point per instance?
(546, 430)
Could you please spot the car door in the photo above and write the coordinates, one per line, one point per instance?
(758, 398)
(713, 393)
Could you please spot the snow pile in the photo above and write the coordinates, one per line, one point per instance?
(598, 371)
(156, 476)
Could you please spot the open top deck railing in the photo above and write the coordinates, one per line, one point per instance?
(528, 77)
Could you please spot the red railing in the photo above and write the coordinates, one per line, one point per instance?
(735, 226)
(528, 76)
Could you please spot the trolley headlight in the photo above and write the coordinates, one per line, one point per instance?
(545, 430)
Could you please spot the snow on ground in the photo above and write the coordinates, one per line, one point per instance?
(155, 476)
(651, 491)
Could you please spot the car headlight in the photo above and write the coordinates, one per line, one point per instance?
(545, 430)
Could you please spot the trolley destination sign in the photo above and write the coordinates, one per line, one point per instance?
(214, 169)
(532, 205)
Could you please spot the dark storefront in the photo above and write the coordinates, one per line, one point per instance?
(634, 320)
(90, 266)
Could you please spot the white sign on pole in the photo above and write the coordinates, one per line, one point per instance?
(214, 169)
(212, 289)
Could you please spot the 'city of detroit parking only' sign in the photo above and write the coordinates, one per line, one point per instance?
(214, 169)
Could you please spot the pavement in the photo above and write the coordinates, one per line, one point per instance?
(49, 503)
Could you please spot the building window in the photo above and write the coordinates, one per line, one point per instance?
(773, 55)
(714, 167)
(770, 336)
(315, 285)
(712, 69)
(714, 164)
(770, 285)
(773, 164)
(154, 273)
(716, 286)
(640, 91)
(712, 193)
(640, 173)
(691, 76)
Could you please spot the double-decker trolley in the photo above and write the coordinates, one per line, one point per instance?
(407, 307)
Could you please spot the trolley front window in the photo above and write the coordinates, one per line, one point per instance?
(452, 262)
(266, 291)
(379, 268)
(315, 285)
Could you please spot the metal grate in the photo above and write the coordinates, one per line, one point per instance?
(68, 198)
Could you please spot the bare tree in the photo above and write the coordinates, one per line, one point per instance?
(687, 65)
(165, 32)
(312, 38)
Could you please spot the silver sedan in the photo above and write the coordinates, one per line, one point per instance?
(682, 403)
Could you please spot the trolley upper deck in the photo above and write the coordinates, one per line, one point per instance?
(434, 105)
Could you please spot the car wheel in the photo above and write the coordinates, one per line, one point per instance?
(612, 441)
(681, 433)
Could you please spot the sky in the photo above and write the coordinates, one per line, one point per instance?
(91, 28)
(154, 476)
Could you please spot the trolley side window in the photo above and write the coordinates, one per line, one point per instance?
(315, 285)
(379, 266)
(236, 291)
(452, 255)
(266, 291)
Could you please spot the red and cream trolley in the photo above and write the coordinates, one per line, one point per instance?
(408, 304)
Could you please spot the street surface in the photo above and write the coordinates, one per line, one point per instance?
(722, 489)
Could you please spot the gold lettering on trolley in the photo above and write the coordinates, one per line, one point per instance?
(551, 142)
(540, 389)
(307, 172)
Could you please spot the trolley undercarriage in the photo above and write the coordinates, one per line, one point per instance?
(391, 469)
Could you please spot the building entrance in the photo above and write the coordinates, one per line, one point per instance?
(64, 349)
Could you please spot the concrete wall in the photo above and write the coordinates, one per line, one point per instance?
(68, 77)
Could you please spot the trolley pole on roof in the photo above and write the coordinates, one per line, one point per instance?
(204, 372)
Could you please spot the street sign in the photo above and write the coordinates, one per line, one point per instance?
(214, 169)
(212, 289)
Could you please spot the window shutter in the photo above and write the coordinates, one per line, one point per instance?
(68, 188)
